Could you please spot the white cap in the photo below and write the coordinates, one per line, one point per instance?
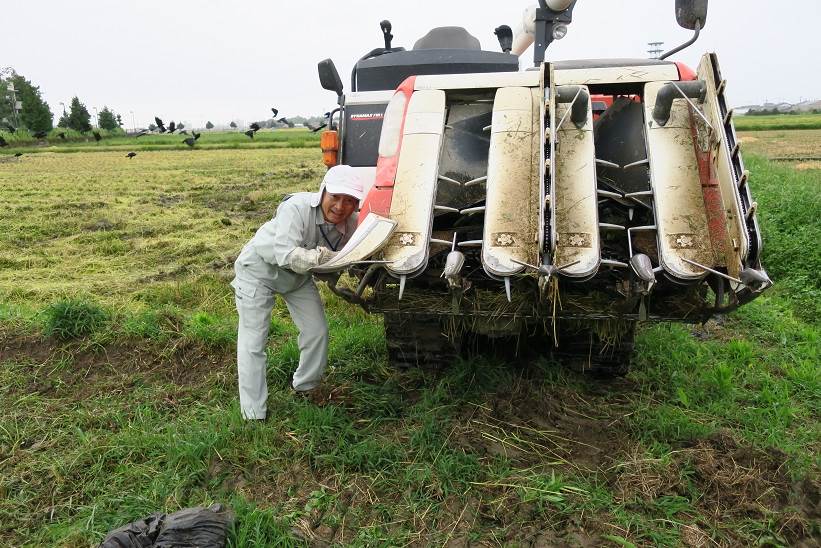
(343, 180)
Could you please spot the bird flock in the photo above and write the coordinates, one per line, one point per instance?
(171, 128)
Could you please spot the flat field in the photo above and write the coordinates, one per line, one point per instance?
(778, 121)
(118, 387)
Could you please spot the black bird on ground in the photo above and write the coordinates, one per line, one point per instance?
(190, 141)
(160, 125)
(254, 126)
(195, 134)
(97, 135)
(62, 136)
(12, 129)
(275, 111)
(250, 133)
(3, 142)
(18, 154)
(40, 135)
(130, 155)
(171, 127)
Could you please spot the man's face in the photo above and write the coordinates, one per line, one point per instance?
(338, 208)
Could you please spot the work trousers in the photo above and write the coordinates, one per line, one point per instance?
(254, 305)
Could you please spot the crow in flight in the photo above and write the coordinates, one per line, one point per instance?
(315, 129)
(180, 126)
(254, 126)
(171, 126)
(250, 133)
(130, 155)
(97, 135)
(195, 134)
(275, 111)
(190, 141)
(160, 125)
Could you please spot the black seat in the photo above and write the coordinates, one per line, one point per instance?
(447, 38)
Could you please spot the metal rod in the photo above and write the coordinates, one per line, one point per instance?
(630, 236)
(695, 108)
(569, 109)
(716, 272)
(638, 194)
(634, 164)
(445, 208)
(471, 243)
(611, 226)
(608, 194)
(605, 163)
(614, 264)
(449, 180)
(472, 210)
(475, 181)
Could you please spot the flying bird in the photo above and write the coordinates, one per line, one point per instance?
(160, 125)
(130, 155)
(3, 142)
(190, 141)
(283, 120)
(180, 126)
(195, 134)
(250, 133)
(315, 129)
(275, 111)
(97, 135)
(254, 126)
(171, 126)
(140, 134)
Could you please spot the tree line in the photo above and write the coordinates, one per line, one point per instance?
(36, 115)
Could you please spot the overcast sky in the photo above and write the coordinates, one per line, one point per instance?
(198, 60)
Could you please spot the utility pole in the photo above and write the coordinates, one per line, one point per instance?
(16, 106)
(96, 118)
(655, 49)
(133, 124)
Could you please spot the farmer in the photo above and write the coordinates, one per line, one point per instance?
(306, 231)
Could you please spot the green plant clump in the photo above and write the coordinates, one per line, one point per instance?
(73, 318)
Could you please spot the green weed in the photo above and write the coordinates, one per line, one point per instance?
(73, 318)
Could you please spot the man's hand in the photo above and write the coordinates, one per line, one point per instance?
(329, 278)
(325, 255)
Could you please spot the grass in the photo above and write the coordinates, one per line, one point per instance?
(778, 121)
(714, 436)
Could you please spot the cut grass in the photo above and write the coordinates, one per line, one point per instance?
(713, 437)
